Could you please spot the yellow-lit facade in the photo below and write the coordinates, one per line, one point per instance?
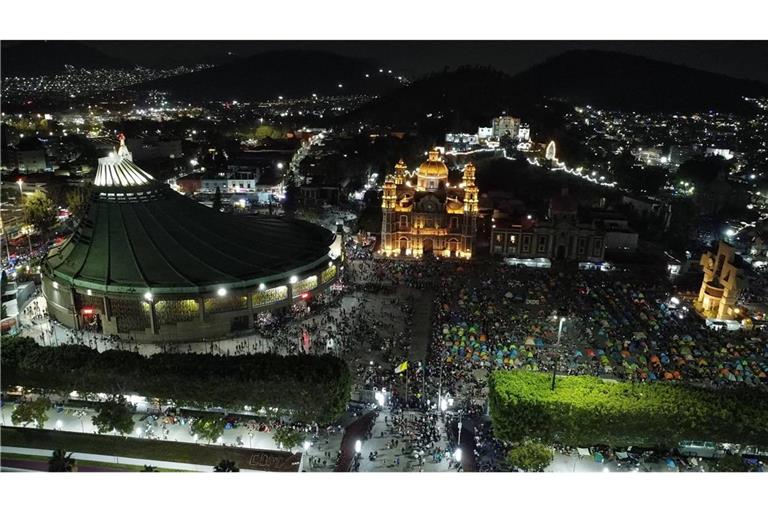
(721, 285)
(424, 214)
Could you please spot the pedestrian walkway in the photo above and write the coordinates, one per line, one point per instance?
(422, 324)
(179, 466)
(71, 419)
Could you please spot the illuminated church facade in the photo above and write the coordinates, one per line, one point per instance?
(430, 216)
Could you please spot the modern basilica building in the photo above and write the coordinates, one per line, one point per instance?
(149, 264)
(430, 216)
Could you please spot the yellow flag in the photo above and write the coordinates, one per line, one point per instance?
(402, 367)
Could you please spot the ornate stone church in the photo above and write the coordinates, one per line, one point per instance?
(423, 214)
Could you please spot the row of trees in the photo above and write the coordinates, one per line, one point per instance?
(586, 411)
(312, 388)
(113, 414)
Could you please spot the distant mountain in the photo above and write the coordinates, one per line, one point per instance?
(471, 96)
(31, 58)
(287, 73)
(628, 82)
(465, 97)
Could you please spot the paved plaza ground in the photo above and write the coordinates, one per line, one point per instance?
(362, 352)
(376, 324)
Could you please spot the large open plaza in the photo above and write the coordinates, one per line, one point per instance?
(519, 262)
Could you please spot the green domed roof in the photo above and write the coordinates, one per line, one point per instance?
(138, 234)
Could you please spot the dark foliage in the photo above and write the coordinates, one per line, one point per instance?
(313, 388)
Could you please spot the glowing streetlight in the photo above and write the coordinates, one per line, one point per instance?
(293, 279)
(457, 455)
(306, 445)
(221, 292)
(358, 446)
(559, 335)
(443, 404)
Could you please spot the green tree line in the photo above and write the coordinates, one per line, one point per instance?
(583, 411)
(312, 388)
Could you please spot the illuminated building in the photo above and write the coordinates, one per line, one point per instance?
(722, 283)
(150, 264)
(505, 125)
(524, 133)
(559, 237)
(429, 216)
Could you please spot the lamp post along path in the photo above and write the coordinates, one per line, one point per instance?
(556, 358)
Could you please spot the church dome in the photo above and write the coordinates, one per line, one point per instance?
(434, 166)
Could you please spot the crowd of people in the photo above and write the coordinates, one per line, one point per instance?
(619, 325)
(486, 316)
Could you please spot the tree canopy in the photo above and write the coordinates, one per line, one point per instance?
(287, 437)
(208, 429)
(310, 388)
(31, 411)
(39, 210)
(226, 466)
(77, 200)
(61, 462)
(530, 456)
(587, 410)
(114, 414)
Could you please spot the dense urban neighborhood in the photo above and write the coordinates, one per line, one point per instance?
(302, 261)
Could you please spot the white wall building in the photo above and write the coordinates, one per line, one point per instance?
(484, 132)
(242, 182)
(506, 125)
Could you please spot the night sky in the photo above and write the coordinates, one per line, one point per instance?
(742, 59)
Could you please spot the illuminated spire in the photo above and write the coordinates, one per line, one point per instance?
(400, 170)
(122, 149)
(470, 190)
(389, 198)
(118, 169)
(469, 173)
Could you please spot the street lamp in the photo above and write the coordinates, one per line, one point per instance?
(457, 455)
(358, 446)
(443, 404)
(306, 445)
(554, 363)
